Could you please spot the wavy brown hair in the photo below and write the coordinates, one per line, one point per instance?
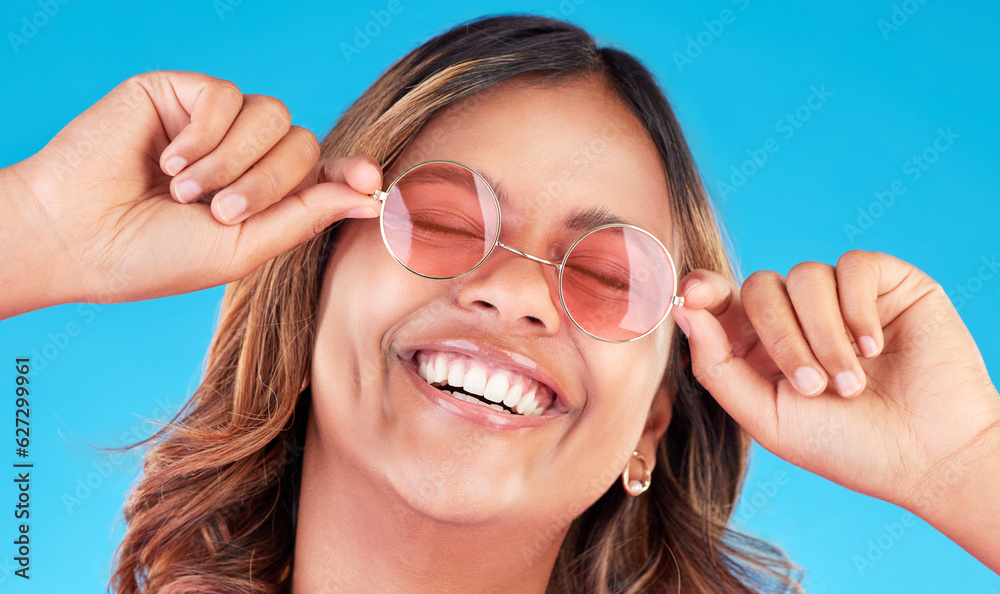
(215, 508)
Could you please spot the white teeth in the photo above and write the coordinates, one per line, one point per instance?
(472, 399)
(513, 395)
(440, 369)
(456, 373)
(475, 380)
(526, 401)
(496, 388)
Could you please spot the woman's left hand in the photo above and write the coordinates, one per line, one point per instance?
(862, 373)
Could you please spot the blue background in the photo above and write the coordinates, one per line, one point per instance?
(102, 372)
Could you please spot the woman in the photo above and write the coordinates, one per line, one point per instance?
(314, 436)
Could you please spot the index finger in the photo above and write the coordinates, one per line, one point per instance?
(716, 294)
(360, 172)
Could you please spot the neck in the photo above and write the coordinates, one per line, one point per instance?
(358, 536)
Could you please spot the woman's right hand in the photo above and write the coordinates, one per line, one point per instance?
(119, 206)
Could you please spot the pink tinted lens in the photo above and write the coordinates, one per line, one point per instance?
(440, 220)
(617, 283)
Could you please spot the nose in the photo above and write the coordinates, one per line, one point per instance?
(516, 290)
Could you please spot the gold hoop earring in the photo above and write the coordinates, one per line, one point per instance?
(633, 487)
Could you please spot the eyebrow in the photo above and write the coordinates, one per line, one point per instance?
(435, 174)
(577, 220)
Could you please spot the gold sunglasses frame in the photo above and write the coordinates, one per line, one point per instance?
(675, 300)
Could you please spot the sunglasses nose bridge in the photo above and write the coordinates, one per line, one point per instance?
(527, 255)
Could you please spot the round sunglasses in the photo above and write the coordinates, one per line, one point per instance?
(441, 220)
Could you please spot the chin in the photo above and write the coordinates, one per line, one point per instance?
(444, 492)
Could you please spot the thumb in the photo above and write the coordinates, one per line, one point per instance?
(296, 218)
(740, 389)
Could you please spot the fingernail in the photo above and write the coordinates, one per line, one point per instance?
(682, 323)
(847, 383)
(232, 207)
(808, 381)
(175, 165)
(687, 293)
(361, 212)
(867, 346)
(188, 191)
(377, 175)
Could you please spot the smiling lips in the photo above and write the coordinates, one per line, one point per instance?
(477, 382)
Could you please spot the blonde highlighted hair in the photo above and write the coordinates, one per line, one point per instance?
(215, 508)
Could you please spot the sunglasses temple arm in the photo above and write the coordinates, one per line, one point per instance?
(677, 301)
(380, 195)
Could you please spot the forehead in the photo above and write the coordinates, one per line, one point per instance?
(562, 149)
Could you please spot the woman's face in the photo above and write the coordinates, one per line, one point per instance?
(557, 152)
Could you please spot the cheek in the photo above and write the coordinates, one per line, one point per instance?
(365, 295)
(623, 381)
(625, 377)
(365, 291)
